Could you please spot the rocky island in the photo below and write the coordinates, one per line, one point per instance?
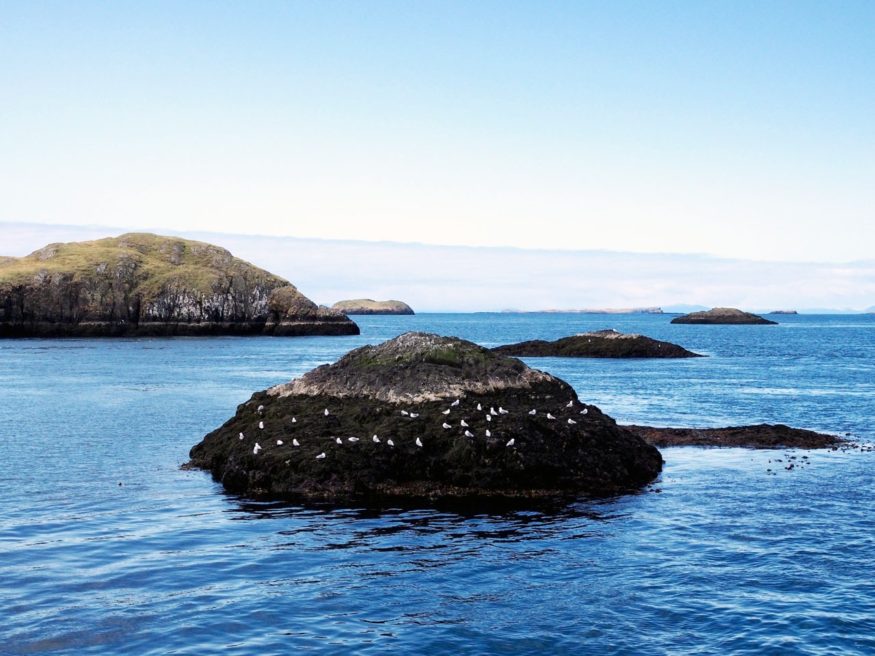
(722, 316)
(370, 306)
(598, 344)
(145, 284)
(423, 416)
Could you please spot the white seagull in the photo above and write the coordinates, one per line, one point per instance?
(493, 412)
(320, 456)
(260, 409)
(339, 441)
(352, 439)
(488, 417)
(469, 434)
(241, 436)
(446, 425)
(570, 404)
(549, 416)
(261, 425)
(510, 442)
(446, 412)
(488, 434)
(279, 442)
(479, 407)
(414, 415)
(418, 442)
(502, 410)
(376, 439)
(296, 443)
(294, 421)
(571, 421)
(455, 403)
(390, 442)
(326, 412)
(405, 413)
(256, 448)
(584, 411)
(463, 424)
(533, 412)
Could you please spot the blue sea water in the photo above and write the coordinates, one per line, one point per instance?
(107, 547)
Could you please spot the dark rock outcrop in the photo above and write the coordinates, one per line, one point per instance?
(722, 316)
(370, 306)
(143, 284)
(598, 344)
(761, 436)
(384, 434)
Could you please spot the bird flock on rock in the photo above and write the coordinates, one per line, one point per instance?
(463, 424)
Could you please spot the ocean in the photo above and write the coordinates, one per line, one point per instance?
(108, 547)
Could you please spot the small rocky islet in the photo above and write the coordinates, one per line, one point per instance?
(424, 416)
(598, 344)
(140, 284)
(370, 306)
(723, 315)
(758, 436)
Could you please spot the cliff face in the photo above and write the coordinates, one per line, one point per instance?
(143, 284)
(370, 306)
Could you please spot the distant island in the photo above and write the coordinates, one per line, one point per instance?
(722, 316)
(641, 310)
(783, 312)
(145, 284)
(598, 344)
(370, 306)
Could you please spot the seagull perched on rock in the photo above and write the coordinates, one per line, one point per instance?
(446, 412)
(294, 421)
(446, 425)
(256, 448)
(414, 415)
(584, 411)
(469, 433)
(339, 441)
(533, 412)
(493, 412)
(549, 416)
(502, 410)
(510, 442)
(418, 442)
(279, 442)
(463, 424)
(570, 404)
(352, 439)
(241, 436)
(571, 421)
(261, 425)
(260, 409)
(479, 407)
(376, 439)
(390, 442)
(326, 412)
(455, 403)
(320, 456)
(296, 443)
(488, 417)
(405, 413)
(488, 434)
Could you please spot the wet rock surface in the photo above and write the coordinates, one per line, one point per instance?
(722, 316)
(423, 416)
(598, 344)
(143, 284)
(760, 436)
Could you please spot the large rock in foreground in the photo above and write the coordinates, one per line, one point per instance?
(598, 344)
(722, 316)
(143, 284)
(370, 306)
(423, 416)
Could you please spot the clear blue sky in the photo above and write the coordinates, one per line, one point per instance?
(741, 129)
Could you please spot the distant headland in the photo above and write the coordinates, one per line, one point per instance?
(146, 284)
(370, 306)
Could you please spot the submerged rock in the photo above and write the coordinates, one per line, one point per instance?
(370, 306)
(423, 416)
(760, 436)
(598, 344)
(143, 284)
(722, 316)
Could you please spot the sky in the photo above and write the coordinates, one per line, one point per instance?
(734, 129)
